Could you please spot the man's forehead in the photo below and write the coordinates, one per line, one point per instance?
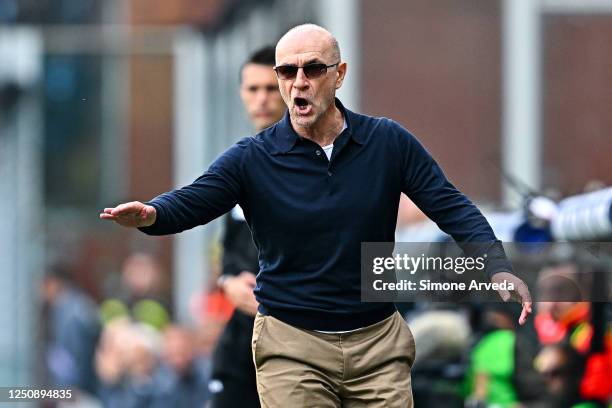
(300, 57)
(303, 47)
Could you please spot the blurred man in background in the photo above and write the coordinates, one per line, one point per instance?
(73, 332)
(565, 319)
(181, 380)
(500, 371)
(562, 368)
(111, 362)
(127, 362)
(140, 295)
(233, 375)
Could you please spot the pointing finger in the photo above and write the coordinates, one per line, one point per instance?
(525, 313)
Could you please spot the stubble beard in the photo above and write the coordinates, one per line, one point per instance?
(306, 122)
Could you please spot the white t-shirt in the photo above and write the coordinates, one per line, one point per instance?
(330, 148)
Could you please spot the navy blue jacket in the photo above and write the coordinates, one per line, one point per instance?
(309, 215)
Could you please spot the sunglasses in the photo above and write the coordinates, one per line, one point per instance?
(312, 71)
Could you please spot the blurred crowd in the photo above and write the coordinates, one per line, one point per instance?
(476, 355)
(126, 350)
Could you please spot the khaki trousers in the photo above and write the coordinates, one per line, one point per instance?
(369, 367)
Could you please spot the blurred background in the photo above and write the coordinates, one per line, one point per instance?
(103, 102)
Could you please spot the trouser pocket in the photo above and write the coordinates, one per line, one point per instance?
(257, 335)
(407, 338)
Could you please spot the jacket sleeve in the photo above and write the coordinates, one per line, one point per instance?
(211, 195)
(427, 186)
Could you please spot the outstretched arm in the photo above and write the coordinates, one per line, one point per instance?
(214, 193)
(427, 186)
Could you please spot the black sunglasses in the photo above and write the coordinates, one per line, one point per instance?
(312, 71)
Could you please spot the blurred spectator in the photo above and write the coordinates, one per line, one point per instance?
(442, 336)
(492, 362)
(181, 379)
(111, 360)
(562, 368)
(211, 308)
(73, 332)
(564, 319)
(142, 362)
(214, 312)
(500, 371)
(126, 362)
(441, 333)
(140, 296)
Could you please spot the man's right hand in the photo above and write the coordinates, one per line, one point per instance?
(134, 214)
(239, 290)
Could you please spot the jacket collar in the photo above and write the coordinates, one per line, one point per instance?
(285, 137)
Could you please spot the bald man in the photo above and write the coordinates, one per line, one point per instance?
(314, 187)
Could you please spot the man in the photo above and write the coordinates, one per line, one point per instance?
(181, 378)
(233, 374)
(140, 296)
(73, 333)
(313, 187)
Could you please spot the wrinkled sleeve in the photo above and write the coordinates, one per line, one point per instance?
(427, 186)
(211, 195)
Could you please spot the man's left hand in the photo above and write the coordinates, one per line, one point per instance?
(520, 293)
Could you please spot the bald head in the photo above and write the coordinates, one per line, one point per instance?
(307, 36)
(310, 59)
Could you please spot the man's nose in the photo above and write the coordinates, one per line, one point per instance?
(261, 96)
(300, 81)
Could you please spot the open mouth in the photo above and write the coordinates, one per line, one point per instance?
(303, 107)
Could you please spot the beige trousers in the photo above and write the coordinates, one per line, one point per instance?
(369, 367)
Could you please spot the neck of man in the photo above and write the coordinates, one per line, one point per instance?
(325, 130)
